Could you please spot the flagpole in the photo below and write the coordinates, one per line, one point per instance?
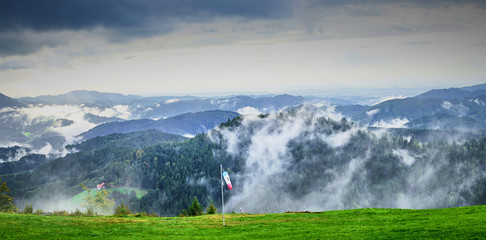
(222, 196)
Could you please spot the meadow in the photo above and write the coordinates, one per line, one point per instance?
(450, 223)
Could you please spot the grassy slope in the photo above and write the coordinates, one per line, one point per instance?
(79, 198)
(462, 223)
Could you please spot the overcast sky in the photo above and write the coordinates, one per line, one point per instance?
(171, 47)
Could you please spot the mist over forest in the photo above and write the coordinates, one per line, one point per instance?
(282, 152)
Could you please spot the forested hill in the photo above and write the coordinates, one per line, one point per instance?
(94, 161)
(301, 159)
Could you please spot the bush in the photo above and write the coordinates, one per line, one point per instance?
(39, 212)
(211, 209)
(152, 214)
(183, 213)
(77, 213)
(90, 212)
(144, 214)
(60, 213)
(122, 211)
(28, 209)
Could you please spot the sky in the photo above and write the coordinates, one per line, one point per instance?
(175, 47)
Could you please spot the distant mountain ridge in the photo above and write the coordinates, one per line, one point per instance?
(442, 109)
(188, 123)
(6, 101)
(451, 108)
(454, 93)
(83, 97)
(176, 106)
(167, 106)
(78, 97)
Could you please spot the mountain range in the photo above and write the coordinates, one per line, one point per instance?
(453, 108)
(48, 123)
(416, 152)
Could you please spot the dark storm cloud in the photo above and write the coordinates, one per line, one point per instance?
(124, 18)
(75, 14)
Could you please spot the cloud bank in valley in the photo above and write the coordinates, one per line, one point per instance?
(309, 159)
(49, 128)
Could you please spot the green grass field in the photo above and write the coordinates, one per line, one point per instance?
(452, 223)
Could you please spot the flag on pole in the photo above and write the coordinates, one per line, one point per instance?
(227, 180)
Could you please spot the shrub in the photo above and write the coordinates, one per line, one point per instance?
(152, 214)
(60, 213)
(183, 213)
(77, 213)
(90, 212)
(211, 209)
(28, 209)
(122, 211)
(144, 214)
(39, 212)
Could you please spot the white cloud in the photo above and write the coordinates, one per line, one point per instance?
(458, 109)
(404, 156)
(46, 150)
(371, 113)
(446, 105)
(271, 180)
(172, 100)
(19, 153)
(388, 98)
(11, 144)
(339, 139)
(477, 101)
(264, 144)
(119, 111)
(393, 123)
(248, 111)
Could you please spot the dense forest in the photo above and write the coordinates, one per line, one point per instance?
(300, 159)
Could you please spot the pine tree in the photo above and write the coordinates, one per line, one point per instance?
(6, 204)
(195, 209)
